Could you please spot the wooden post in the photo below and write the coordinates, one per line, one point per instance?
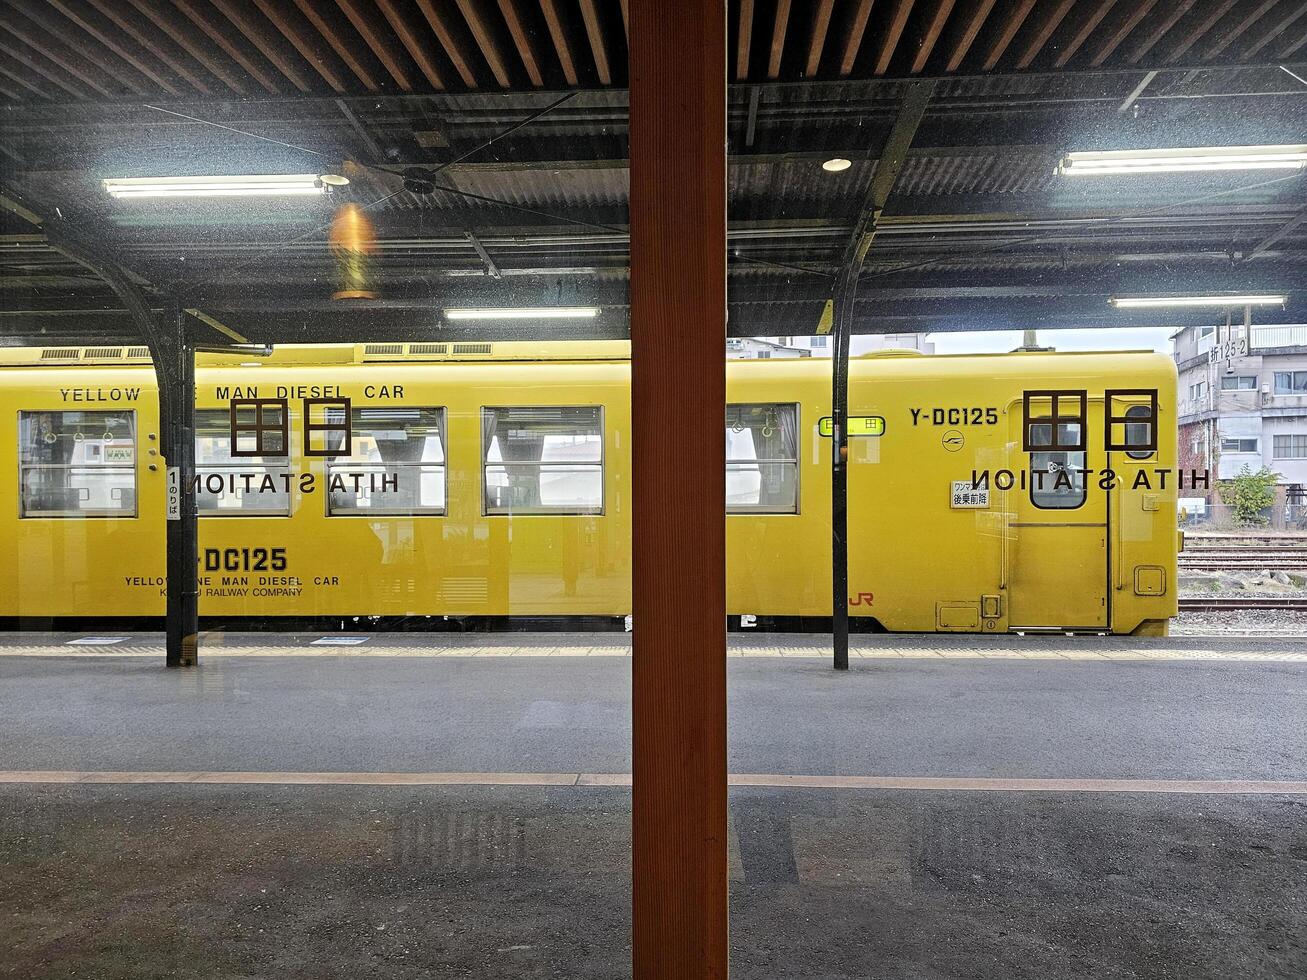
(678, 395)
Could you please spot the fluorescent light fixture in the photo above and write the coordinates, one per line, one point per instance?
(837, 164)
(1136, 302)
(262, 185)
(1291, 156)
(524, 313)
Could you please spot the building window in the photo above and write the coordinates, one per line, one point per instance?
(1291, 382)
(395, 465)
(77, 464)
(1239, 446)
(1289, 447)
(819, 343)
(259, 427)
(1239, 383)
(762, 459)
(247, 484)
(1197, 391)
(541, 460)
(763, 354)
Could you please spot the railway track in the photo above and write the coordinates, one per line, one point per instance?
(1241, 603)
(1252, 559)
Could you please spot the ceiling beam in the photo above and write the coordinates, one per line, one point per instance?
(780, 23)
(853, 37)
(896, 21)
(1134, 12)
(522, 41)
(343, 51)
(1016, 17)
(930, 37)
(558, 34)
(594, 31)
(474, 14)
(178, 33)
(379, 46)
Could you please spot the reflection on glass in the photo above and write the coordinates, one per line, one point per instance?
(77, 464)
(396, 463)
(762, 463)
(543, 460)
(248, 486)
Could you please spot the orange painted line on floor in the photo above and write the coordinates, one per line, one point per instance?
(773, 780)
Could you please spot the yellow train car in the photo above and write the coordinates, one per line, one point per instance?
(990, 493)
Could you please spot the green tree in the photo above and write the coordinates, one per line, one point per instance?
(1249, 494)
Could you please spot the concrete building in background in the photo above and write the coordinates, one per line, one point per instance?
(820, 345)
(1246, 406)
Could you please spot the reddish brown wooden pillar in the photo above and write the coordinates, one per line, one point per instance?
(678, 395)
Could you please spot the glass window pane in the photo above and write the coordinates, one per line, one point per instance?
(247, 486)
(543, 459)
(762, 467)
(396, 463)
(77, 464)
(1057, 480)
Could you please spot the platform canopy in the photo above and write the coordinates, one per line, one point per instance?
(513, 115)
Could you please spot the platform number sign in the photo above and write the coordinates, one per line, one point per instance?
(174, 489)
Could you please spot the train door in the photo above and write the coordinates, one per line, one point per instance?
(1057, 518)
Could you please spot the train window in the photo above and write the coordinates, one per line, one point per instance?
(77, 464)
(541, 460)
(1057, 480)
(394, 466)
(236, 481)
(762, 459)
(1134, 431)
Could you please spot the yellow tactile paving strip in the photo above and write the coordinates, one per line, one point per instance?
(1284, 650)
(981, 784)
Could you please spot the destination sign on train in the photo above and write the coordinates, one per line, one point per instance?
(858, 425)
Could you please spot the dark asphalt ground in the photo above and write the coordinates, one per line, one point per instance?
(348, 882)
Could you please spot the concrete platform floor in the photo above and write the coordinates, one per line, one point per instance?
(853, 853)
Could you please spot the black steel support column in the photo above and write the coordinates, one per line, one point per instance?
(888, 166)
(176, 372)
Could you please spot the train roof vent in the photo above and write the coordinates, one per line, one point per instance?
(102, 354)
(473, 348)
(60, 354)
(428, 349)
(383, 350)
(138, 352)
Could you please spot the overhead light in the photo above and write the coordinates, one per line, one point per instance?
(1291, 156)
(260, 185)
(836, 164)
(524, 313)
(1135, 302)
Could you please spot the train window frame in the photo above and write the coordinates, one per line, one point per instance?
(327, 428)
(331, 465)
(1131, 418)
(1055, 420)
(74, 515)
(540, 510)
(767, 510)
(259, 427)
(270, 462)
